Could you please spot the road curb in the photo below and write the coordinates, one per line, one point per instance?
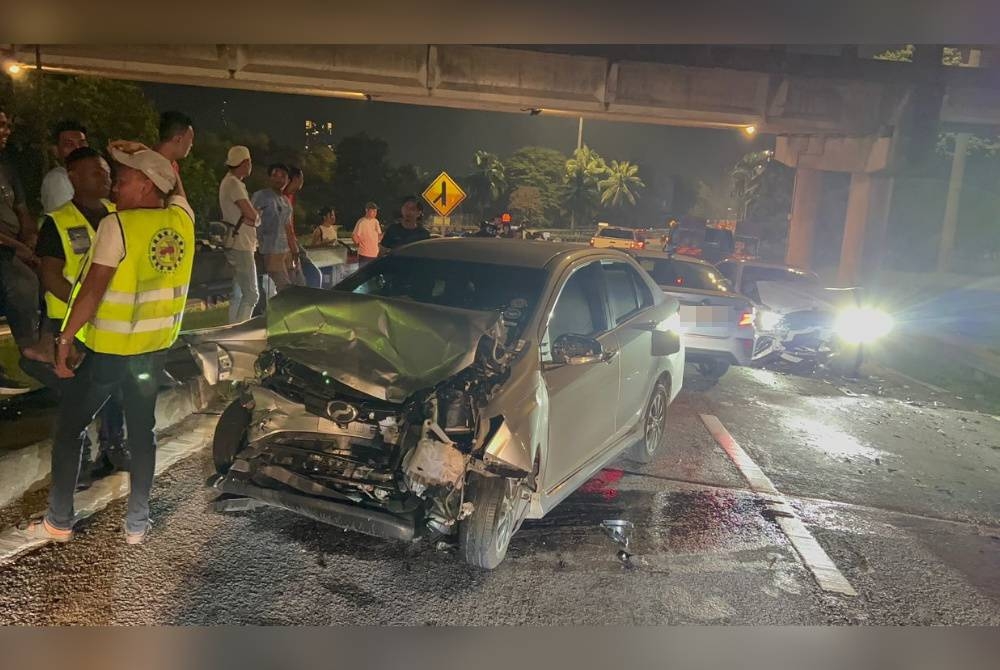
(178, 443)
(26, 469)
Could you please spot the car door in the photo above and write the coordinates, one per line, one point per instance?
(629, 299)
(582, 398)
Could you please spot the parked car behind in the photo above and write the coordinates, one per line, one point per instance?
(716, 322)
(454, 387)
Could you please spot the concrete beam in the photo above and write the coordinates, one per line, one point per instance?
(834, 154)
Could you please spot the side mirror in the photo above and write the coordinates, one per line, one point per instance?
(572, 349)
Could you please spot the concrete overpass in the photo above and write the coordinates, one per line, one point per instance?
(840, 112)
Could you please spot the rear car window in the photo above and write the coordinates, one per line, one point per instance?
(673, 272)
(616, 233)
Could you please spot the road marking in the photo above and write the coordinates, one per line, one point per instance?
(179, 442)
(822, 567)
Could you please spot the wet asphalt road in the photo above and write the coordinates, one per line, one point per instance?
(900, 486)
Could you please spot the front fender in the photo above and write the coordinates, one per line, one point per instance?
(227, 353)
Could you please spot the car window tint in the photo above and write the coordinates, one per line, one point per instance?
(616, 233)
(622, 293)
(728, 271)
(674, 272)
(579, 309)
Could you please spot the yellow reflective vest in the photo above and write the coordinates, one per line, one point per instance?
(142, 309)
(76, 236)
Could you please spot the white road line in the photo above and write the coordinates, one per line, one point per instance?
(819, 563)
(182, 440)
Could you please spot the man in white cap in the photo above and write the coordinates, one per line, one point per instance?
(241, 221)
(124, 313)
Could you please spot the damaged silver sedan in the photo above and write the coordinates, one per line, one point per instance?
(453, 388)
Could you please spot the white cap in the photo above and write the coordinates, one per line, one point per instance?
(152, 164)
(237, 154)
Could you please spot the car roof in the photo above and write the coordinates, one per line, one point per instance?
(673, 257)
(763, 264)
(521, 253)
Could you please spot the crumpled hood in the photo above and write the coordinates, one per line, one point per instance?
(785, 297)
(384, 347)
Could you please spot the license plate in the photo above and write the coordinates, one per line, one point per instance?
(704, 316)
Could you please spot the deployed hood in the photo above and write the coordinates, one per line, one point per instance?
(387, 348)
(785, 297)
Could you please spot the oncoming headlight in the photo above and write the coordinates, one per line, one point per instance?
(767, 320)
(859, 325)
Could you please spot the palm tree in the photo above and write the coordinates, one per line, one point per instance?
(583, 172)
(489, 181)
(621, 185)
(747, 176)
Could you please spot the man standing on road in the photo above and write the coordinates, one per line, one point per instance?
(176, 137)
(295, 252)
(272, 235)
(367, 235)
(124, 314)
(64, 239)
(409, 228)
(18, 283)
(241, 242)
(57, 190)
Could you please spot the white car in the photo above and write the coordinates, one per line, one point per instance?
(717, 323)
(799, 319)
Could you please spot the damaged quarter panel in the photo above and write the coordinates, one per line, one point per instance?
(227, 352)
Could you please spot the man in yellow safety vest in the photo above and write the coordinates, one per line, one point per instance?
(64, 238)
(125, 311)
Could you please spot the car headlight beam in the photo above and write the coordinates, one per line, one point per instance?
(861, 325)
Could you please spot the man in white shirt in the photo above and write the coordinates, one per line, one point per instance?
(367, 234)
(241, 220)
(67, 137)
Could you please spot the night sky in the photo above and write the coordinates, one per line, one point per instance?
(437, 138)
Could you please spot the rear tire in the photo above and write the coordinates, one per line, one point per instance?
(484, 536)
(654, 426)
(713, 369)
(230, 435)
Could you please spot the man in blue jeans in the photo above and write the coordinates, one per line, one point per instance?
(124, 314)
(241, 220)
(272, 234)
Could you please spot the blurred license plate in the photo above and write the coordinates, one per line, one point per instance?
(704, 316)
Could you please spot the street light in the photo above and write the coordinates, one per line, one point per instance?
(13, 69)
(750, 130)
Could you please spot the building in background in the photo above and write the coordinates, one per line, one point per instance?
(318, 133)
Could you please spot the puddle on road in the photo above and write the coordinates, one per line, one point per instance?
(665, 522)
(826, 438)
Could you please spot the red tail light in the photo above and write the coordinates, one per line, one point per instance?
(637, 245)
(746, 318)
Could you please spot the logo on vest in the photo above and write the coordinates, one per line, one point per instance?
(166, 250)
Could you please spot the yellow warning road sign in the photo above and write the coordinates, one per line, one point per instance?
(444, 195)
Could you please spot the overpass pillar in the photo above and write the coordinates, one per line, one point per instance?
(859, 201)
(801, 228)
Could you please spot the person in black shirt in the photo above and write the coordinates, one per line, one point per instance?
(409, 228)
(91, 178)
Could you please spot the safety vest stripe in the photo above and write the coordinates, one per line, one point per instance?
(125, 298)
(143, 326)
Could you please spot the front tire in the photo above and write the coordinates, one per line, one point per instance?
(485, 534)
(230, 435)
(654, 426)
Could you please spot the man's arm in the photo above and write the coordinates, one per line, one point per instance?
(95, 285)
(53, 280)
(248, 215)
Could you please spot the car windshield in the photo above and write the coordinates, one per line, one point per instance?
(450, 283)
(617, 233)
(674, 272)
